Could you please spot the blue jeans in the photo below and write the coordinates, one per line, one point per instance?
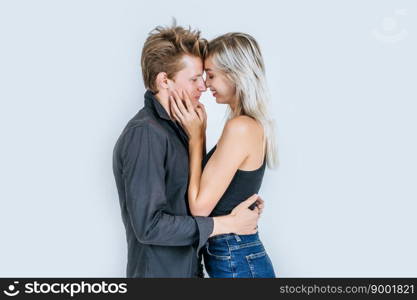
(237, 256)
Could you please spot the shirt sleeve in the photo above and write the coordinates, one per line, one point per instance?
(144, 179)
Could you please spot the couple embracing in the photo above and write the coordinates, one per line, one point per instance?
(179, 204)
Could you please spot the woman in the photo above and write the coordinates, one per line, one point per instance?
(234, 168)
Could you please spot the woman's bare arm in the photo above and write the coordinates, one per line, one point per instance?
(207, 187)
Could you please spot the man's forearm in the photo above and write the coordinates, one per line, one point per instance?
(223, 225)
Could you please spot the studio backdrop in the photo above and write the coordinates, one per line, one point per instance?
(343, 84)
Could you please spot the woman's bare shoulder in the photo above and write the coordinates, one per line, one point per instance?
(242, 125)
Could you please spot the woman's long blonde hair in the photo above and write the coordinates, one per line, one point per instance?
(239, 57)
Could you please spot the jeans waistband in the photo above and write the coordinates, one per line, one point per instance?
(236, 237)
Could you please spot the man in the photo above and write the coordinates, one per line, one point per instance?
(150, 165)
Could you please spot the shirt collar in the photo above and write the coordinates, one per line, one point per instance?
(153, 103)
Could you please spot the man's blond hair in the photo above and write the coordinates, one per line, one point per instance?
(163, 50)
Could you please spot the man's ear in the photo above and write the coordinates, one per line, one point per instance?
(162, 81)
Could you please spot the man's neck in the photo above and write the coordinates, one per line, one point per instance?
(163, 99)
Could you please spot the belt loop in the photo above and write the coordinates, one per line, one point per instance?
(238, 239)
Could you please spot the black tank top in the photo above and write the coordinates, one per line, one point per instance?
(243, 185)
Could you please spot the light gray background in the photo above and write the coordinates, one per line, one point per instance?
(342, 76)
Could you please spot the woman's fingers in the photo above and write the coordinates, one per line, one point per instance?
(175, 95)
(204, 111)
(200, 113)
(180, 105)
(175, 110)
(189, 117)
(201, 106)
(204, 115)
(187, 99)
(173, 103)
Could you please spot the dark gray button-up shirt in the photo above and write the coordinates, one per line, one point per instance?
(150, 165)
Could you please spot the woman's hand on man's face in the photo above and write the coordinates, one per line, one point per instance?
(203, 109)
(193, 120)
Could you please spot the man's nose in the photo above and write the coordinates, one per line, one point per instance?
(202, 85)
